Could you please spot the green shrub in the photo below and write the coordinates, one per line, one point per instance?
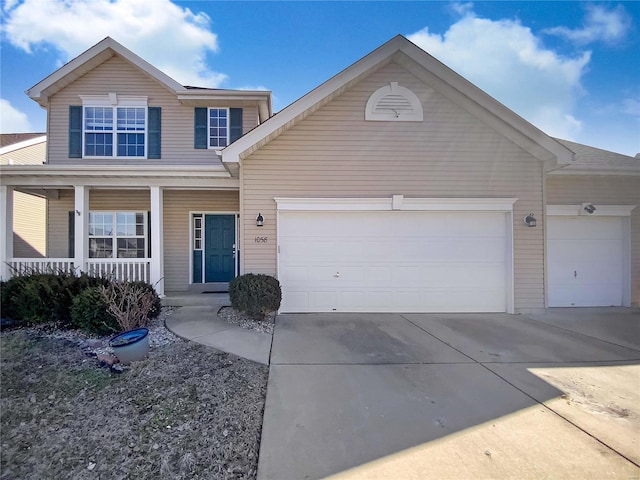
(89, 313)
(44, 297)
(255, 295)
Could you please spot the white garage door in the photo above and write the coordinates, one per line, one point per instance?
(393, 261)
(585, 261)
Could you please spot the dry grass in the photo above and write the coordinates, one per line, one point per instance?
(186, 412)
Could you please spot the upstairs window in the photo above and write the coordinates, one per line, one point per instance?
(215, 128)
(218, 127)
(128, 134)
(114, 126)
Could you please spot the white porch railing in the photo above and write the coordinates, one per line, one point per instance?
(124, 269)
(21, 266)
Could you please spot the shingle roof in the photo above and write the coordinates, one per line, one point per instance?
(11, 138)
(592, 158)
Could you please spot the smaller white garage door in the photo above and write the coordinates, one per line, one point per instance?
(585, 261)
(393, 261)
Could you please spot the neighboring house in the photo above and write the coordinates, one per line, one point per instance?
(396, 185)
(29, 209)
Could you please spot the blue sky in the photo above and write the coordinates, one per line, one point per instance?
(570, 68)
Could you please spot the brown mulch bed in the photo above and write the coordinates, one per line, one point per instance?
(187, 411)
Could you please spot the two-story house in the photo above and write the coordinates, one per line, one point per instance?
(396, 185)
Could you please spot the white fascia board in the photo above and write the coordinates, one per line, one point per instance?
(576, 170)
(36, 91)
(247, 95)
(396, 203)
(601, 210)
(562, 154)
(35, 175)
(24, 144)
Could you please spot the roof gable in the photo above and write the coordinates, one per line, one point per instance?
(429, 69)
(108, 48)
(89, 60)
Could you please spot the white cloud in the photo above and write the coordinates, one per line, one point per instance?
(601, 24)
(631, 106)
(171, 38)
(506, 60)
(13, 120)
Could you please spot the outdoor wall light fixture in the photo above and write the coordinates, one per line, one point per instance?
(259, 220)
(530, 220)
(589, 208)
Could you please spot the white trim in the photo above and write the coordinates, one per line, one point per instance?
(600, 171)
(156, 270)
(601, 210)
(6, 231)
(24, 144)
(218, 148)
(397, 201)
(372, 111)
(113, 100)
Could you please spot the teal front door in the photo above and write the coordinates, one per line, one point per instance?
(219, 248)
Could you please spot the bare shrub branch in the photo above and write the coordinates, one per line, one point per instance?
(128, 303)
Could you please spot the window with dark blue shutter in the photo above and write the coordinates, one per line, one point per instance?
(75, 131)
(200, 134)
(154, 127)
(235, 124)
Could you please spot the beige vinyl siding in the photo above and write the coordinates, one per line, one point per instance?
(29, 211)
(118, 76)
(31, 155)
(29, 226)
(177, 250)
(336, 153)
(58, 224)
(603, 190)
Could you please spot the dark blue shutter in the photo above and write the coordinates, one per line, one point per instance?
(72, 234)
(235, 124)
(153, 149)
(75, 132)
(200, 129)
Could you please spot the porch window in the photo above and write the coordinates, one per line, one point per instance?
(197, 231)
(122, 233)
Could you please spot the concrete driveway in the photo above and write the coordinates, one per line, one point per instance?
(453, 396)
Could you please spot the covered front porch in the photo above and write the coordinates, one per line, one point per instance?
(131, 224)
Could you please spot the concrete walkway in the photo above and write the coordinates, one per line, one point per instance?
(389, 396)
(197, 319)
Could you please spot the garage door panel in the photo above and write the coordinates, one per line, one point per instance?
(585, 261)
(393, 261)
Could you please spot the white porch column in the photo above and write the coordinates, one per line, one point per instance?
(81, 233)
(6, 230)
(157, 243)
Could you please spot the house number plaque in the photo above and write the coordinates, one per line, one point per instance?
(261, 239)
